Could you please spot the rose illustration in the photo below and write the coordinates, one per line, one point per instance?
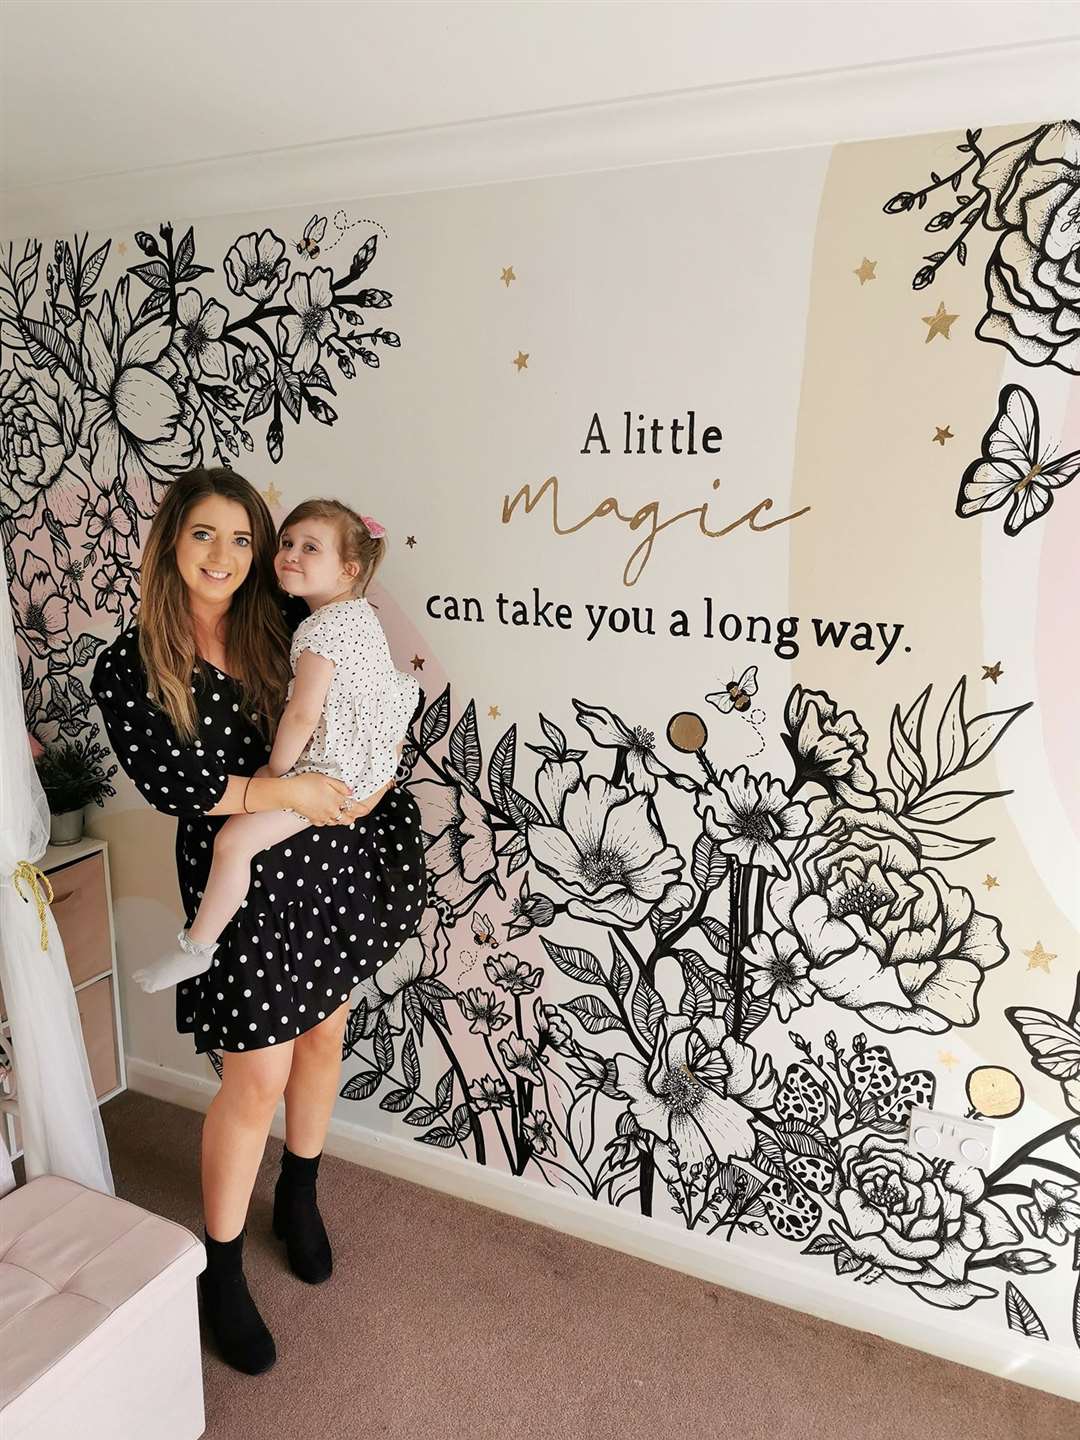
(1032, 187)
(922, 1227)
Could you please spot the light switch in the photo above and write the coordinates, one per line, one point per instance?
(951, 1137)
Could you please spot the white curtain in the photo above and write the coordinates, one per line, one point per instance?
(58, 1114)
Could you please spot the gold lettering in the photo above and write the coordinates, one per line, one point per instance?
(647, 514)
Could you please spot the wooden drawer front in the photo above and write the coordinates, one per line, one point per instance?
(99, 1031)
(80, 909)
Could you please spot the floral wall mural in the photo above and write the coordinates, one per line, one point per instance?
(696, 944)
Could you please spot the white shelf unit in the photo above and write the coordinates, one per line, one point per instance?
(82, 909)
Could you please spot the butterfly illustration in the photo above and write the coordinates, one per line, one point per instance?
(1012, 469)
(1053, 1044)
(314, 231)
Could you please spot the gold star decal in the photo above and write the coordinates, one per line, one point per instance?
(121, 249)
(493, 711)
(866, 271)
(938, 323)
(1039, 959)
(521, 361)
(272, 495)
(418, 662)
(991, 882)
(993, 672)
(941, 435)
(947, 1058)
(508, 276)
(410, 541)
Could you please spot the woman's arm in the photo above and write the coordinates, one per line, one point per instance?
(318, 797)
(303, 712)
(183, 780)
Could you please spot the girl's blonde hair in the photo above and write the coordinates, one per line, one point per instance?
(257, 639)
(356, 544)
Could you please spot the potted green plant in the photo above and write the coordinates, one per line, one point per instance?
(72, 777)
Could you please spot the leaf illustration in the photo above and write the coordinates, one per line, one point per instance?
(985, 731)
(949, 805)
(621, 976)
(710, 864)
(410, 1064)
(718, 936)
(647, 1008)
(935, 846)
(86, 647)
(697, 999)
(444, 1091)
(580, 965)
(501, 766)
(361, 1085)
(465, 746)
(1021, 1314)
(287, 386)
(49, 347)
(93, 267)
(436, 721)
(185, 251)
(384, 1045)
(951, 736)
(258, 402)
(907, 757)
(154, 272)
(441, 1136)
(397, 1100)
(593, 1014)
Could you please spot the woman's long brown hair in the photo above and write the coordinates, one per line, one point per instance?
(257, 640)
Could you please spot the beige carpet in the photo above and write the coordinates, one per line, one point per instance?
(445, 1320)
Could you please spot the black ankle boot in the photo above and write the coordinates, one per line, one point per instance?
(238, 1329)
(297, 1220)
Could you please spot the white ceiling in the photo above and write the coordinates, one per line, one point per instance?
(104, 87)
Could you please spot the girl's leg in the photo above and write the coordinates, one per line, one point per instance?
(236, 844)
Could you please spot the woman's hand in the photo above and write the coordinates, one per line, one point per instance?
(318, 797)
(357, 808)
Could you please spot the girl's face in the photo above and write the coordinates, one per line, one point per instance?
(309, 564)
(213, 551)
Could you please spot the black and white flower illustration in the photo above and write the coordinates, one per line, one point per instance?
(1026, 194)
(112, 384)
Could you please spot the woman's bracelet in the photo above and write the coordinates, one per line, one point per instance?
(244, 800)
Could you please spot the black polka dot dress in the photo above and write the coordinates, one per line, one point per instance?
(324, 909)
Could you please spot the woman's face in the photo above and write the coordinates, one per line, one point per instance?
(214, 549)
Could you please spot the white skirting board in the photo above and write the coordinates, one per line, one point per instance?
(769, 1277)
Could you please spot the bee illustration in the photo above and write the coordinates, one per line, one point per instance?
(736, 694)
(483, 931)
(736, 697)
(313, 234)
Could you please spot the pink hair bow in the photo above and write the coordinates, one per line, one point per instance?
(374, 529)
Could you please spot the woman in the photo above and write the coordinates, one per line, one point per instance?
(189, 697)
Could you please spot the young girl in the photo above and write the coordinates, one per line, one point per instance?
(347, 713)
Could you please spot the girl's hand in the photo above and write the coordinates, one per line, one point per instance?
(318, 797)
